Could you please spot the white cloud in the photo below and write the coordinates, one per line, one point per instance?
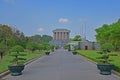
(40, 30)
(9, 1)
(63, 20)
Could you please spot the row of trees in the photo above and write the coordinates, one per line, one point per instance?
(10, 37)
(109, 34)
(76, 38)
(40, 39)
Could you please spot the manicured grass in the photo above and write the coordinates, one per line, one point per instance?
(6, 60)
(93, 55)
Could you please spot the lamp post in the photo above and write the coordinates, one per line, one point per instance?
(83, 31)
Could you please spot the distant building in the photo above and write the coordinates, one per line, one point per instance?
(88, 45)
(60, 37)
(85, 45)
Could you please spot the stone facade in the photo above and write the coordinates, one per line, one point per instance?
(85, 45)
(60, 37)
(61, 34)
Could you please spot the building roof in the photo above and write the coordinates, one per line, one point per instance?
(61, 30)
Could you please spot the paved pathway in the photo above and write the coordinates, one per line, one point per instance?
(61, 65)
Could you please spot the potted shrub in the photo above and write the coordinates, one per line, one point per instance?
(47, 53)
(52, 48)
(74, 51)
(105, 66)
(17, 65)
(67, 47)
(47, 49)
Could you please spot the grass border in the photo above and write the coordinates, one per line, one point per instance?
(6, 72)
(116, 71)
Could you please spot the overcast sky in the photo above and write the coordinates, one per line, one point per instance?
(42, 16)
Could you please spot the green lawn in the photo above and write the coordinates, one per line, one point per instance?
(93, 55)
(6, 60)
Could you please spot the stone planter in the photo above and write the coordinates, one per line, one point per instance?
(74, 52)
(47, 53)
(105, 69)
(52, 50)
(16, 70)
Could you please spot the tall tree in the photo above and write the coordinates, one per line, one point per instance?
(35, 38)
(77, 38)
(11, 36)
(46, 38)
(2, 50)
(40, 39)
(109, 34)
(5, 34)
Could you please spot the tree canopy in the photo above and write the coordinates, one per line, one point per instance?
(10, 36)
(40, 39)
(77, 38)
(109, 34)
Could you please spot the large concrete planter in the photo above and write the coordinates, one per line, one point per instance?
(16, 70)
(105, 69)
(74, 52)
(52, 50)
(47, 53)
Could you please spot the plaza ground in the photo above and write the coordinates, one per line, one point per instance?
(61, 65)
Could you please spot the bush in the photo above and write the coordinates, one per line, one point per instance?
(17, 53)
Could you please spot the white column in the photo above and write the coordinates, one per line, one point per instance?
(62, 35)
(67, 35)
(57, 35)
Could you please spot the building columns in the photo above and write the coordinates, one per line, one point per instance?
(61, 35)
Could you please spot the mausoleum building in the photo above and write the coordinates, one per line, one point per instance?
(60, 37)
